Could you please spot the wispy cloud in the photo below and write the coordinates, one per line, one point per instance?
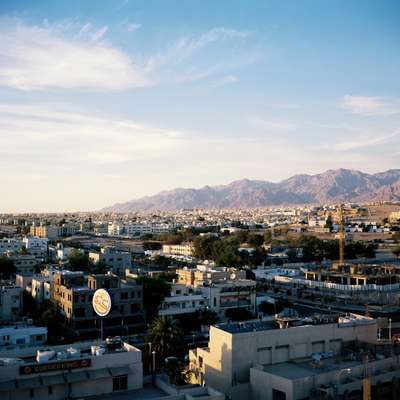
(271, 124)
(72, 55)
(225, 80)
(370, 105)
(37, 130)
(362, 141)
(33, 57)
(133, 27)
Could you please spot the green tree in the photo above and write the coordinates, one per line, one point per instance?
(154, 292)
(78, 261)
(165, 336)
(7, 268)
(267, 236)
(176, 371)
(255, 240)
(396, 251)
(396, 237)
(50, 317)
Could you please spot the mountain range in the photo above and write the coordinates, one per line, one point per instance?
(332, 186)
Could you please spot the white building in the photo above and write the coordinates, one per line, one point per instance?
(183, 300)
(115, 260)
(35, 243)
(62, 372)
(21, 335)
(10, 245)
(10, 303)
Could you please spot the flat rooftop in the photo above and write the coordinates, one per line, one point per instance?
(294, 370)
(292, 321)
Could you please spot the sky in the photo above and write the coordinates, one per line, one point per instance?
(108, 101)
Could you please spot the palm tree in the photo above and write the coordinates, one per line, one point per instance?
(396, 251)
(165, 336)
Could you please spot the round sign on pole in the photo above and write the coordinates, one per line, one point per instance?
(101, 302)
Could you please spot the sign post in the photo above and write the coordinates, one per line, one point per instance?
(102, 305)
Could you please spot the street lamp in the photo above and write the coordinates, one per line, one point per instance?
(154, 361)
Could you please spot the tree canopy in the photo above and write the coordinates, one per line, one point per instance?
(7, 268)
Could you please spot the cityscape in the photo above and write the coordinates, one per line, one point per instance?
(199, 200)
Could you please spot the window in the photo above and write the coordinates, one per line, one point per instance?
(124, 296)
(132, 295)
(120, 383)
(278, 395)
(50, 390)
(31, 393)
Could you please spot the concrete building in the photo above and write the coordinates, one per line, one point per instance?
(72, 293)
(116, 261)
(207, 274)
(10, 246)
(182, 249)
(224, 296)
(24, 263)
(22, 335)
(46, 231)
(35, 243)
(137, 229)
(40, 288)
(183, 300)
(221, 288)
(11, 302)
(235, 348)
(63, 372)
(394, 216)
(88, 370)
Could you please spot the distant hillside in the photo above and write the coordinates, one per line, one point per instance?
(333, 186)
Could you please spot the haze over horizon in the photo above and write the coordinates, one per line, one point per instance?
(99, 106)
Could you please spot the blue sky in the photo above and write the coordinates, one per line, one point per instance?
(107, 101)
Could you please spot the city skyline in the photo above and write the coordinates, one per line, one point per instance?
(98, 106)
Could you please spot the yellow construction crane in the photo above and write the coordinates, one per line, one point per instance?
(366, 381)
(341, 236)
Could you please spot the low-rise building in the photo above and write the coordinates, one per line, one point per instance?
(231, 294)
(182, 249)
(22, 335)
(235, 348)
(35, 243)
(116, 261)
(94, 370)
(24, 263)
(46, 231)
(11, 302)
(10, 246)
(72, 293)
(62, 372)
(183, 300)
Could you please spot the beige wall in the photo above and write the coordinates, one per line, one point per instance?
(228, 359)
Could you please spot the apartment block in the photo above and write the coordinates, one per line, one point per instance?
(72, 292)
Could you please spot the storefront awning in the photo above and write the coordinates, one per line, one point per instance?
(7, 385)
(29, 383)
(99, 373)
(117, 371)
(73, 377)
(57, 379)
